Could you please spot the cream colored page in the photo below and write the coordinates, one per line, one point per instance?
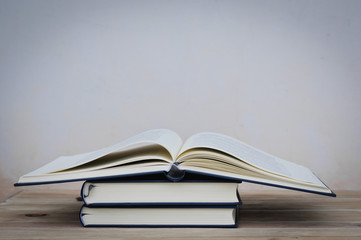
(250, 155)
(108, 172)
(166, 138)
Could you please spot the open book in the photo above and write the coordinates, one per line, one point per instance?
(162, 150)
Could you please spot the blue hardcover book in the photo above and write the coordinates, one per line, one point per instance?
(162, 151)
(160, 216)
(152, 193)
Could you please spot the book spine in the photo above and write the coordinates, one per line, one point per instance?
(174, 173)
(81, 216)
(82, 192)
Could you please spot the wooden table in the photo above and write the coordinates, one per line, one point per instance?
(264, 215)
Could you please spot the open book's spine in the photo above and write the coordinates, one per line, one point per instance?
(174, 173)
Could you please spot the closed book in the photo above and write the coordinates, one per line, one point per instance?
(116, 193)
(175, 216)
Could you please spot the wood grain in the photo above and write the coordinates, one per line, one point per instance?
(264, 215)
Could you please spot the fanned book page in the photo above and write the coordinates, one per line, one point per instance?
(161, 144)
(249, 155)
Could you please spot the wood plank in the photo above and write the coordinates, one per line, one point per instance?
(177, 233)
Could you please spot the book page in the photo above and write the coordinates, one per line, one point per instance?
(163, 137)
(148, 167)
(250, 155)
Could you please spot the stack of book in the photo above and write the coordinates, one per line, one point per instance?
(159, 204)
(175, 202)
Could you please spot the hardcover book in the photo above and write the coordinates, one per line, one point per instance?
(181, 216)
(106, 194)
(163, 151)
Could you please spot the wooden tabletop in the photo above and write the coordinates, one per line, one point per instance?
(264, 215)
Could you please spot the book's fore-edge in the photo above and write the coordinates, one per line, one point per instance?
(234, 225)
(331, 194)
(120, 176)
(136, 204)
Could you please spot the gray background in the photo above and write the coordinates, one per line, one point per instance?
(283, 76)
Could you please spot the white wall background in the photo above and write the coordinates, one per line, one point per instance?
(283, 76)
